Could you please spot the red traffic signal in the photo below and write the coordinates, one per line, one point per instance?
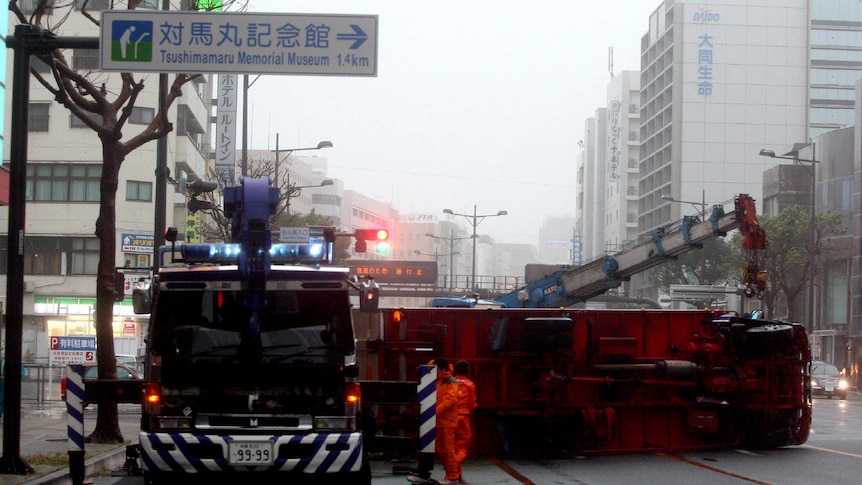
(371, 234)
(363, 235)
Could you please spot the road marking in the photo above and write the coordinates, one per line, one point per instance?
(713, 469)
(852, 455)
(511, 471)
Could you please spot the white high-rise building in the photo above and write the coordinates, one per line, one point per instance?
(622, 140)
(720, 80)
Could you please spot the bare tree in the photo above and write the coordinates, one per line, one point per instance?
(106, 111)
(219, 230)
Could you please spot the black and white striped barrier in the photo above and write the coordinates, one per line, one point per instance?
(75, 396)
(80, 392)
(427, 396)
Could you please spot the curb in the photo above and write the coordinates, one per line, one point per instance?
(109, 460)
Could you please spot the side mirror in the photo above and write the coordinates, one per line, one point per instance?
(142, 299)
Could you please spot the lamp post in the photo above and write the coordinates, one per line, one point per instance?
(474, 219)
(323, 144)
(298, 188)
(437, 255)
(702, 204)
(451, 240)
(793, 154)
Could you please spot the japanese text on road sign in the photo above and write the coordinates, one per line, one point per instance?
(243, 43)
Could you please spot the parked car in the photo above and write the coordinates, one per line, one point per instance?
(124, 371)
(827, 380)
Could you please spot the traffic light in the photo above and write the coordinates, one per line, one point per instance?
(195, 205)
(201, 186)
(379, 235)
(382, 247)
(369, 296)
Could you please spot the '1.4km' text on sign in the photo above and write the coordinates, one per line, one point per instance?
(241, 43)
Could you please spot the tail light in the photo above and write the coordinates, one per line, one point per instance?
(352, 398)
(153, 397)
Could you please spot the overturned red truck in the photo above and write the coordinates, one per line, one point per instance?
(601, 381)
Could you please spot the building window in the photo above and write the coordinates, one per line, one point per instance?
(142, 116)
(84, 255)
(139, 191)
(63, 182)
(29, 6)
(93, 5)
(76, 122)
(85, 59)
(44, 255)
(38, 117)
(152, 4)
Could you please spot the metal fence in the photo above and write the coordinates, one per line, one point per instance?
(40, 383)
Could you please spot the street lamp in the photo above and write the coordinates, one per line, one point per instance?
(298, 188)
(793, 154)
(474, 219)
(451, 240)
(437, 255)
(702, 204)
(323, 144)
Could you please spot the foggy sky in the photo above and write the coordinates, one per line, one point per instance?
(475, 102)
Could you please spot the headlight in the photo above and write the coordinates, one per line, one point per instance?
(175, 423)
(842, 384)
(322, 423)
(814, 383)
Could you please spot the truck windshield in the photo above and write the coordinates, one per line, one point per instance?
(200, 326)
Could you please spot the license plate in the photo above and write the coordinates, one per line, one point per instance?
(250, 453)
(829, 388)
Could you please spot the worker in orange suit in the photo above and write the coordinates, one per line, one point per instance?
(447, 420)
(466, 406)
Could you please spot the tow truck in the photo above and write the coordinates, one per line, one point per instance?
(251, 360)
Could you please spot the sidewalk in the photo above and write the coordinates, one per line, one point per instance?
(44, 444)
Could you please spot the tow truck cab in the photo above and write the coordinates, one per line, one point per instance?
(251, 359)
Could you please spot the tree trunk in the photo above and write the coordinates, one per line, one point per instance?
(107, 422)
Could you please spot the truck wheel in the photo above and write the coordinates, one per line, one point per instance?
(767, 339)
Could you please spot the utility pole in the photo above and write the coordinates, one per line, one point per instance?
(27, 41)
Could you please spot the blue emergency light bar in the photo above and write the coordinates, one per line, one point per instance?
(314, 252)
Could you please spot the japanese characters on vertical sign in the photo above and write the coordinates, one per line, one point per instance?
(704, 59)
(614, 142)
(576, 250)
(193, 223)
(226, 129)
(705, 49)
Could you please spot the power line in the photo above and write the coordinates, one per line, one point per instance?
(461, 177)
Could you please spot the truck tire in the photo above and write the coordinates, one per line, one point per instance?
(768, 339)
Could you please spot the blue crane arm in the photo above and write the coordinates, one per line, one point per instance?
(573, 285)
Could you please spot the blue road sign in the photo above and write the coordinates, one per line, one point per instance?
(241, 43)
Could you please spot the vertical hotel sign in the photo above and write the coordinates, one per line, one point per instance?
(614, 142)
(705, 49)
(226, 129)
